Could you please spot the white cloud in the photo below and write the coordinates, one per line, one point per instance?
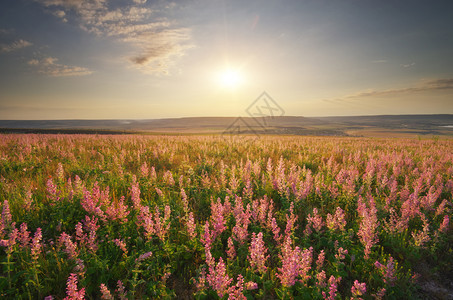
(16, 45)
(408, 65)
(156, 42)
(49, 66)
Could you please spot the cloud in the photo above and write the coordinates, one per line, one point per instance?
(156, 42)
(408, 65)
(379, 61)
(16, 45)
(49, 66)
(424, 86)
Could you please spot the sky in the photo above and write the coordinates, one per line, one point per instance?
(145, 59)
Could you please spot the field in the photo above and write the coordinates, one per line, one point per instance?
(136, 217)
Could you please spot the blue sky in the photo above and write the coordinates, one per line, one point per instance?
(138, 59)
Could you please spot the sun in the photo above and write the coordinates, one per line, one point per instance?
(230, 78)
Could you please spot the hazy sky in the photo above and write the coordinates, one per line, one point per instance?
(98, 59)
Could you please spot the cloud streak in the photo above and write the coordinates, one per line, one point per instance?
(425, 86)
(156, 42)
(16, 45)
(49, 66)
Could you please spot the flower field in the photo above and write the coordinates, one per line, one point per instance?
(136, 217)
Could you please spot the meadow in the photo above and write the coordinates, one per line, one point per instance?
(137, 217)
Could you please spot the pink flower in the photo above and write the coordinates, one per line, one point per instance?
(290, 220)
(314, 221)
(295, 263)
(191, 226)
(235, 292)
(70, 247)
(36, 244)
(122, 294)
(231, 252)
(443, 228)
(258, 252)
(218, 278)
(72, 291)
(24, 235)
(333, 288)
(387, 271)
(320, 260)
(143, 256)
(358, 289)
(135, 193)
(368, 225)
(336, 221)
(250, 285)
(121, 244)
(105, 293)
(217, 217)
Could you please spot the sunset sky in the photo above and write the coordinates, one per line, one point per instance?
(139, 59)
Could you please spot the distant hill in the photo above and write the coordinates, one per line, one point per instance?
(393, 125)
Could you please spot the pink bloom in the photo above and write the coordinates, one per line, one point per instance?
(191, 226)
(121, 244)
(294, 263)
(443, 228)
(333, 288)
(36, 244)
(72, 291)
(321, 279)
(258, 252)
(105, 293)
(290, 220)
(250, 285)
(24, 235)
(235, 292)
(336, 221)
(231, 252)
(218, 278)
(122, 294)
(320, 260)
(387, 271)
(368, 225)
(358, 289)
(143, 256)
(135, 193)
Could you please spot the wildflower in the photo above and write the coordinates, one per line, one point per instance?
(368, 225)
(333, 288)
(235, 292)
(36, 244)
(314, 221)
(135, 193)
(121, 244)
(144, 170)
(337, 221)
(358, 289)
(290, 220)
(231, 252)
(143, 256)
(105, 293)
(72, 291)
(191, 226)
(250, 285)
(387, 271)
(294, 263)
(122, 294)
(321, 279)
(422, 237)
(24, 235)
(218, 278)
(444, 225)
(341, 254)
(320, 260)
(258, 252)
